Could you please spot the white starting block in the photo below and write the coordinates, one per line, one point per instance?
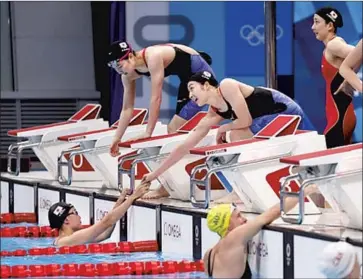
(83, 154)
(43, 140)
(338, 174)
(252, 167)
(152, 151)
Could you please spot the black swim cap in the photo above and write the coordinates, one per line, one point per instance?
(118, 50)
(57, 213)
(331, 15)
(204, 76)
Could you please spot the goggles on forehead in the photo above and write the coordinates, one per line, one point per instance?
(75, 212)
(236, 207)
(233, 207)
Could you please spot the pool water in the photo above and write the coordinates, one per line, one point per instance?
(15, 243)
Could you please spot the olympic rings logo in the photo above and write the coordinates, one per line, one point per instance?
(256, 36)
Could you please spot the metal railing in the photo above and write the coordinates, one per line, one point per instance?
(69, 163)
(14, 152)
(138, 158)
(301, 193)
(206, 181)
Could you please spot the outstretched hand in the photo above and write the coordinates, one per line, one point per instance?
(121, 198)
(141, 190)
(345, 88)
(221, 136)
(114, 148)
(147, 178)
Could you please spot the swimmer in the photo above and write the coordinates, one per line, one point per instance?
(228, 258)
(350, 64)
(249, 108)
(158, 62)
(65, 218)
(339, 260)
(339, 110)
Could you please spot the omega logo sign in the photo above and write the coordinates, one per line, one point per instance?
(172, 230)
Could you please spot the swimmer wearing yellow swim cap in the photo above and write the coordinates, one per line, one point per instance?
(222, 218)
(228, 258)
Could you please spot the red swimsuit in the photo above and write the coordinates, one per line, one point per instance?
(340, 116)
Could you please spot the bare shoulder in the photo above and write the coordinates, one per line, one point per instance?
(155, 52)
(334, 43)
(61, 241)
(229, 87)
(228, 82)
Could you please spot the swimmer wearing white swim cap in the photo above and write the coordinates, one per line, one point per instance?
(339, 260)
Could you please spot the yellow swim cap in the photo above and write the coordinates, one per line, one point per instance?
(218, 218)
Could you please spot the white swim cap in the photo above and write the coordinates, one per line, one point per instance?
(337, 260)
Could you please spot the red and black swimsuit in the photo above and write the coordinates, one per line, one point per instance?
(340, 116)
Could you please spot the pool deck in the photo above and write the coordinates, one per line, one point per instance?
(325, 225)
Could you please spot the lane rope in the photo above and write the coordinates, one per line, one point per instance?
(31, 231)
(101, 269)
(13, 218)
(92, 248)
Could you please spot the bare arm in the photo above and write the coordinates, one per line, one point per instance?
(192, 140)
(156, 68)
(89, 234)
(247, 231)
(108, 232)
(350, 64)
(339, 48)
(234, 96)
(127, 107)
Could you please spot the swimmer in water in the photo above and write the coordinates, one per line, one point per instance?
(229, 257)
(64, 217)
(339, 260)
(157, 62)
(248, 107)
(352, 63)
(339, 110)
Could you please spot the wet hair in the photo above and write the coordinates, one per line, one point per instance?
(331, 15)
(203, 77)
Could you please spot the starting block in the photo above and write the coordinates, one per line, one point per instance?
(43, 140)
(152, 151)
(338, 174)
(252, 168)
(88, 144)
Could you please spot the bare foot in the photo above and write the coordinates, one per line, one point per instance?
(156, 194)
(229, 198)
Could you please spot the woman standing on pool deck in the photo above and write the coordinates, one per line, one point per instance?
(339, 110)
(250, 109)
(65, 218)
(158, 62)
